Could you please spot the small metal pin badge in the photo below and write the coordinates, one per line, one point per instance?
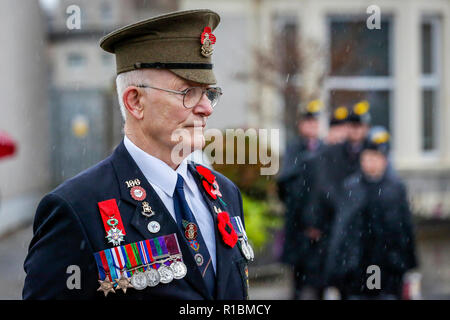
(154, 227)
(147, 210)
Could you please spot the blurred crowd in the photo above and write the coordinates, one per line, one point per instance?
(348, 228)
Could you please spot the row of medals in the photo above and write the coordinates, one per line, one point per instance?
(150, 277)
(164, 274)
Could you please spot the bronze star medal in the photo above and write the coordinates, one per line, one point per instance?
(123, 283)
(106, 286)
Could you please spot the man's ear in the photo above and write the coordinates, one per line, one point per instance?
(131, 100)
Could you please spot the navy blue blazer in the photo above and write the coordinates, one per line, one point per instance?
(68, 230)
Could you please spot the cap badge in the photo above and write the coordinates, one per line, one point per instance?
(361, 107)
(207, 39)
(341, 113)
(314, 106)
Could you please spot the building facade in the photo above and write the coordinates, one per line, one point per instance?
(402, 68)
(86, 122)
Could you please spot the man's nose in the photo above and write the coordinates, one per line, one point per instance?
(203, 107)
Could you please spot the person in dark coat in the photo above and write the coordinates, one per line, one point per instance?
(294, 185)
(329, 168)
(372, 227)
(336, 162)
(146, 223)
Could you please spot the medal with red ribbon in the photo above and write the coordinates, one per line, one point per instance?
(112, 221)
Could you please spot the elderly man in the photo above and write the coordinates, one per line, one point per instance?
(145, 223)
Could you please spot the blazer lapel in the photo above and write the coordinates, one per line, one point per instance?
(223, 252)
(127, 169)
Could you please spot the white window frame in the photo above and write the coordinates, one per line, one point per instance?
(432, 82)
(362, 83)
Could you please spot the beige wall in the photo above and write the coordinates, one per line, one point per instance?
(93, 74)
(23, 88)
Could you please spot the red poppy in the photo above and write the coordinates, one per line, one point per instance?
(207, 31)
(206, 173)
(226, 229)
(7, 145)
(209, 182)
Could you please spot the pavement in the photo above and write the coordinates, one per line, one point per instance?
(267, 282)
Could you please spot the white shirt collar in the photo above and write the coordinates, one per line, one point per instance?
(156, 171)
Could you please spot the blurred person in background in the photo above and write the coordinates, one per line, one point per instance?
(294, 185)
(338, 126)
(329, 168)
(373, 227)
(359, 125)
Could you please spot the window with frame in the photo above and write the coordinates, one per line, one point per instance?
(360, 66)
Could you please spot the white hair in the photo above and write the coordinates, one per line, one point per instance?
(123, 81)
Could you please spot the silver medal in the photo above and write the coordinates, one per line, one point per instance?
(139, 281)
(165, 273)
(153, 277)
(245, 250)
(179, 269)
(252, 253)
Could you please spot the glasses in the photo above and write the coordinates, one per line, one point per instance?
(193, 95)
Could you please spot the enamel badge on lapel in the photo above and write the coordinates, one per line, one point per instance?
(208, 40)
(137, 192)
(112, 221)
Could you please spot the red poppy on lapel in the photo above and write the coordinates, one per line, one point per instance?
(209, 182)
(226, 229)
